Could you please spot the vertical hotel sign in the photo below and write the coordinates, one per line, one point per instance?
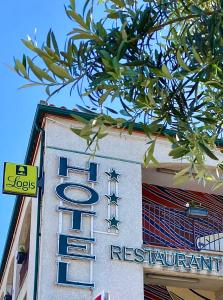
(79, 245)
(20, 179)
(76, 246)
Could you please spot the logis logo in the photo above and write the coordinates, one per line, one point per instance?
(17, 183)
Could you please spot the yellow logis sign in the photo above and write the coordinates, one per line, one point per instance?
(20, 179)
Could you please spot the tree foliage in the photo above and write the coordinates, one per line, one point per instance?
(157, 62)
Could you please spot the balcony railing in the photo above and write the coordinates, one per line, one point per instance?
(167, 227)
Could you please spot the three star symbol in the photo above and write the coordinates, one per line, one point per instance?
(113, 223)
(113, 175)
(113, 198)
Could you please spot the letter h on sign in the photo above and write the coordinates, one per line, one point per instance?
(70, 246)
(64, 168)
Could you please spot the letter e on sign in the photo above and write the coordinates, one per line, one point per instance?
(20, 179)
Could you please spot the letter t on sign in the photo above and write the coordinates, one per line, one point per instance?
(64, 168)
(77, 216)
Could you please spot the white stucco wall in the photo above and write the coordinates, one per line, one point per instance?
(121, 154)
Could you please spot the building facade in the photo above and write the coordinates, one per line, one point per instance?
(104, 224)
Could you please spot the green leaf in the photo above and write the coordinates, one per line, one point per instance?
(24, 60)
(72, 4)
(59, 71)
(130, 127)
(55, 46)
(120, 49)
(182, 172)
(181, 180)
(149, 157)
(39, 72)
(77, 131)
(218, 185)
(166, 72)
(86, 132)
(20, 67)
(181, 62)
(102, 132)
(48, 39)
(101, 135)
(205, 120)
(28, 44)
(197, 56)
(82, 132)
(137, 63)
(82, 36)
(119, 3)
(30, 85)
(113, 15)
(88, 18)
(179, 152)
(207, 151)
(103, 97)
(79, 118)
(158, 72)
(76, 17)
(47, 90)
(105, 54)
(196, 10)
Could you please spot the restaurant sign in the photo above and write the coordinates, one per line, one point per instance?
(171, 259)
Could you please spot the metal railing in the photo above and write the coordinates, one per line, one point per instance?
(168, 227)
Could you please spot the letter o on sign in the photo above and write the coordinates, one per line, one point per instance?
(61, 193)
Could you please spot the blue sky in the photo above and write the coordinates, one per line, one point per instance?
(19, 19)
